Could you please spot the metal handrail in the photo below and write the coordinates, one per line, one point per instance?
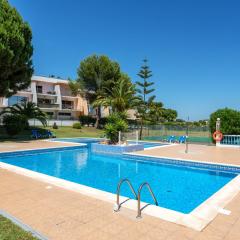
(118, 191)
(139, 197)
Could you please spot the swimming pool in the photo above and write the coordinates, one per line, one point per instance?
(179, 187)
(94, 140)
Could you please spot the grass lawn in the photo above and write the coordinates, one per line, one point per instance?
(10, 231)
(61, 132)
(68, 132)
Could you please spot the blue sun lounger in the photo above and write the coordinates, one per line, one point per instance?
(36, 134)
(170, 139)
(49, 134)
(182, 139)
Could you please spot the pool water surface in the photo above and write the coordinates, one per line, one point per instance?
(179, 188)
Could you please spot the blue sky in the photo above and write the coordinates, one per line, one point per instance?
(193, 46)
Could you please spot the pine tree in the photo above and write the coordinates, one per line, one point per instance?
(16, 51)
(144, 89)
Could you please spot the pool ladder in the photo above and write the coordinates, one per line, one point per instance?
(137, 196)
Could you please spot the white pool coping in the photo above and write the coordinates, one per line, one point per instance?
(165, 144)
(198, 219)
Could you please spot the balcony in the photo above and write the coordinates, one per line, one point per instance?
(48, 105)
(51, 93)
(67, 106)
(27, 90)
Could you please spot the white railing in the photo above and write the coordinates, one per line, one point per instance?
(231, 140)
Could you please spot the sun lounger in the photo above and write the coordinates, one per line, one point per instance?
(49, 134)
(170, 139)
(182, 139)
(36, 134)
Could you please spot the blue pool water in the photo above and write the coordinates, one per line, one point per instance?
(176, 187)
(92, 140)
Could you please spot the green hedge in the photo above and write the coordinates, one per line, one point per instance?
(14, 124)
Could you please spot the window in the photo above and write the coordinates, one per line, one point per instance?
(64, 114)
(39, 89)
(16, 100)
(67, 104)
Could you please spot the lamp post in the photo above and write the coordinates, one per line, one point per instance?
(218, 123)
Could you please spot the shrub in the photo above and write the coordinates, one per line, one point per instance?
(77, 125)
(113, 126)
(55, 126)
(230, 121)
(102, 122)
(87, 120)
(14, 124)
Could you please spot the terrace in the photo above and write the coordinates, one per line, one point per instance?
(58, 213)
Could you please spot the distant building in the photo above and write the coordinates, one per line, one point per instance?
(53, 96)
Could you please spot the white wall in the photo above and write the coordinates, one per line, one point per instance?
(65, 123)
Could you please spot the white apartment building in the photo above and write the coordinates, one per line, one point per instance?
(54, 97)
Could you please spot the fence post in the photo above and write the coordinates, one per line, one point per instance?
(119, 137)
(137, 137)
(186, 149)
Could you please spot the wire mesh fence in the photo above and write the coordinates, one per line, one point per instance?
(196, 134)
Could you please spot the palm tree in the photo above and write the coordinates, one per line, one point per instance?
(156, 112)
(120, 96)
(29, 110)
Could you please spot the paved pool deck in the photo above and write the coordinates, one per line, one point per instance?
(10, 146)
(62, 214)
(201, 153)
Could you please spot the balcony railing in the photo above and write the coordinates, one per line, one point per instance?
(48, 105)
(231, 140)
(67, 106)
(26, 90)
(46, 93)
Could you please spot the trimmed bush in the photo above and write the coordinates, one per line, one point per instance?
(102, 122)
(14, 124)
(113, 126)
(87, 120)
(77, 125)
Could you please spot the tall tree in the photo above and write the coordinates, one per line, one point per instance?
(15, 51)
(169, 115)
(120, 97)
(144, 89)
(156, 112)
(94, 73)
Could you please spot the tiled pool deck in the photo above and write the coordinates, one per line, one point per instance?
(62, 214)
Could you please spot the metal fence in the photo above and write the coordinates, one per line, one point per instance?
(158, 132)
